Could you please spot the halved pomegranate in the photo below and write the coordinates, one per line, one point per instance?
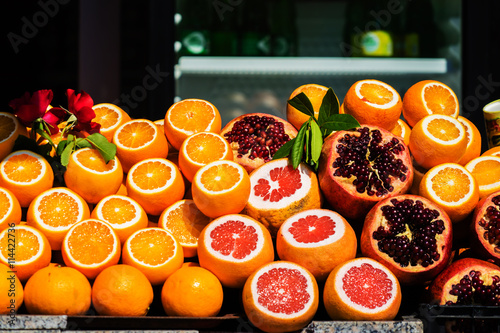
(467, 281)
(410, 235)
(485, 240)
(255, 137)
(360, 167)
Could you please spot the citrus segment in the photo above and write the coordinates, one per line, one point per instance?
(429, 97)
(139, 139)
(362, 289)
(10, 209)
(190, 116)
(91, 177)
(221, 187)
(26, 174)
(280, 297)
(185, 222)
(451, 187)
(122, 290)
(110, 117)
(318, 240)
(155, 183)
(155, 252)
(278, 191)
(473, 135)
(437, 139)
(123, 213)
(373, 102)
(55, 211)
(315, 93)
(25, 253)
(402, 130)
(233, 246)
(486, 171)
(90, 246)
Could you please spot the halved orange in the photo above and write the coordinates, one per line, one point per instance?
(190, 116)
(137, 140)
(220, 188)
(110, 117)
(429, 97)
(373, 102)
(201, 148)
(155, 252)
(473, 135)
(25, 250)
(315, 93)
(91, 177)
(495, 151)
(486, 170)
(90, 246)
(437, 139)
(26, 174)
(402, 130)
(123, 213)
(155, 183)
(185, 222)
(10, 209)
(55, 211)
(10, 129)
(453, 188)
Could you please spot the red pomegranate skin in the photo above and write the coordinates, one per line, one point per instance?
(407, 275)
(480, 219)
(245, 159)
(440, 287)
(341, 193)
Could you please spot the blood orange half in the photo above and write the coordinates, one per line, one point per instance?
(278, 191)
(233, 246)
(280, 297)
(318, 239)
(362, 289)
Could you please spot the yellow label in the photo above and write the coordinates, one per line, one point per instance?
(377, 43)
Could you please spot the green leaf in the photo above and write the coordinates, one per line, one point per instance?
(284, 150)
(339, 122)
(329, 106)
(316, 142)
(298, 146)
(302, 103)
(106, 148)
(83, 143)
(66, 153)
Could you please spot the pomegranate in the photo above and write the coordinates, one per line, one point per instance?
(360, 167)
(467, 281)
(410, 235)
(485, 241)
(255, 137)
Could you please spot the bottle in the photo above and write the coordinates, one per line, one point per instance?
(193, 34)
(224, 31)
(255, 38)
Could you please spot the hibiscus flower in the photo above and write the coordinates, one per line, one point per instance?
(81, 106)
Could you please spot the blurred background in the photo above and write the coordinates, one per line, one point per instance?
(247, 56)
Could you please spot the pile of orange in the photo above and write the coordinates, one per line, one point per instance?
(173, 216)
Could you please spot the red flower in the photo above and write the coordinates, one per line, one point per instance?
(81, 106)
(28, 109)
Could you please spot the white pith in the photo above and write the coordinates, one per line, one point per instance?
(191, 132)
(163, 161)
(287, 265)
(16, 125)
(77, 161)
(129, 241)
(41, 162)
(468, 131)
(233, 217)
(199, 173)
(263, 172)
(39, 198)
(184, 147)
(430, 84)
(339, 227)
(68, 250)
(6, 232)
(137, 208)
(393, 102)
(472, 164)
(112, 108)
(434, 171)
(358, 262)
(129, 123)
(428, 119)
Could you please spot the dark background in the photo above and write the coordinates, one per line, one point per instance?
(107, 47)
